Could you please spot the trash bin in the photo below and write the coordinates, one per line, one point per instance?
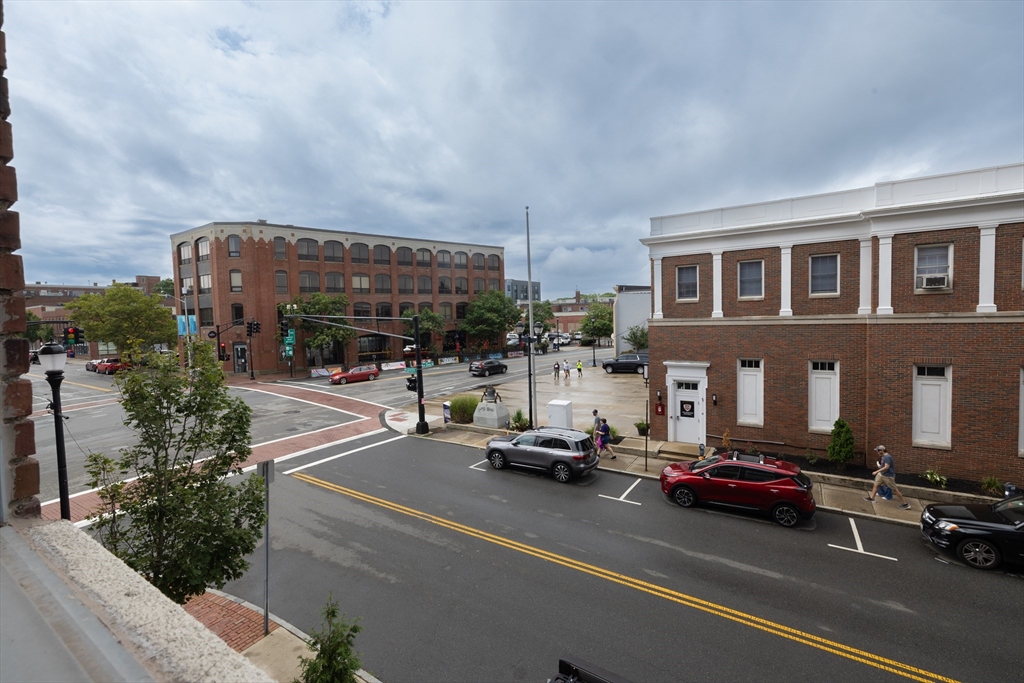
(447, 408)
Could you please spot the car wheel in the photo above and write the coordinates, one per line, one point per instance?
(979, 554)
(504, 369)
(342, 380)
(561, 472)
(487, 373)
(684, 496)
(785, 515)
(608, 369)
(497, 459)
(639, 369)
(372, 377)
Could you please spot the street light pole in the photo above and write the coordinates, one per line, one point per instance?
(529, 370)
(529, 304)
(421, 427)
(53, 357)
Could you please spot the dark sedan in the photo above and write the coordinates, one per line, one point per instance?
(627, 362)
(983, 536)
(486, 368)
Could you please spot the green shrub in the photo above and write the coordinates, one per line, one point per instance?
(811, 457)
(992, 485)
(333, 661)
(840, 448)
(752, 449)
(519, 422)
(936, 479)
(463, 408)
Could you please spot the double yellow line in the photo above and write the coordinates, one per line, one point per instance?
(750, 620)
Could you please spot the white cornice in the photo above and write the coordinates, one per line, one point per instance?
(850, 319)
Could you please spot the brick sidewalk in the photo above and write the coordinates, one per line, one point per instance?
(235, 624)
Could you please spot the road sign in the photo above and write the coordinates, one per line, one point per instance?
(288, 351)
(290, 339)
(211, 334)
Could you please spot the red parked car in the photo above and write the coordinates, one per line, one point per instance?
(108, 366)
(356, 374)
(766, 485)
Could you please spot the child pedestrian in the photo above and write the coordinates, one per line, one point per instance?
(579, 368)
(557, 370)
(565, 368)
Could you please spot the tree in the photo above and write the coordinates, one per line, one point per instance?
(35, 331)
(490, 316)
(840, 448)
(597, 323)
(430, 324)
(542, 312)
(318, 336)
(334, 660)
(636, 337)
(181, 523)
(125, 317)
(165, 287)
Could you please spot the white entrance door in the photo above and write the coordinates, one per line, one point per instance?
(687, 408)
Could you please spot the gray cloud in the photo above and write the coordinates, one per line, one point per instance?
(133, 121)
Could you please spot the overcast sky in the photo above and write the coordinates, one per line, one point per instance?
(134, 120)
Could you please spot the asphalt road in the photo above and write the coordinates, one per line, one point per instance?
(462, 573)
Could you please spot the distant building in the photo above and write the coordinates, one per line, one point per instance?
(632, 307)
(517, 290)
(51, 295)
(570, 311)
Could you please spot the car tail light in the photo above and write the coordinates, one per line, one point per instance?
(580, 456)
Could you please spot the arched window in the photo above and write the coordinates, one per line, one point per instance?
(360, 283)
(381, 255)
(444, 259)
(404, 256)
(444, 285)
(202, 249)
(425, 306)
(460, 260)
(478, 285)
(479, 262)
(460, 311)
(280, 248)
(309, 250)
(461, 285)
(423, 284)
(236, 280)
(405, 284)
(234, 246)
(493, 262)
(423, 258)
(359, 252)
(281, 281)
(406, 306)
(446, 310)
(309, 281)
(335, 283)
(334, 251)
(493, 285)
(361, 310)
(384, 310)
(382, 284)
(184, 253)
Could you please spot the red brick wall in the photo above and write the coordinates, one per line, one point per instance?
(849, 279)
(772, 273)
(876, 386)
(1009, 262)
(964, 295)
(704, 305)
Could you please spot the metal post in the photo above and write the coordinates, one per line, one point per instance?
(54, 378)
(421, 427)
(248, 344)
(529, 375)
(266, 470)
(647, 420)
(529, 305)
(593, 350)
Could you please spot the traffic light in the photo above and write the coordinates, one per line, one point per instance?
(284, 328)
(69, 334)
(248, 329)
(79, 335)
(222, 352)
(256, 327)
(410, 383)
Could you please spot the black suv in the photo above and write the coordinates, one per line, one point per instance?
(627, 362)
(565, 453)
(983, 536)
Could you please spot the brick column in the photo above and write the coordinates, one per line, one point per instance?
(19, 473)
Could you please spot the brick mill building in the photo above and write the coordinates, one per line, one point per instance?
(242, 271)
(898, 307)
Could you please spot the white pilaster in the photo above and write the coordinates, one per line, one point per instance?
(658, 308)
(716, 270)
(865, 277)
(787, 281)
(987, 271)
(885, 275)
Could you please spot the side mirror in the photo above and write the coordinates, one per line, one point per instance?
(705, 475)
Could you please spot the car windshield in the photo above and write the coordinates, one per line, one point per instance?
(698, 465)
(1012, 509)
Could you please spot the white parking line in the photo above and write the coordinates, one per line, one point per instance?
(622, 498)
(860, 546)
(342, 455)
(474, 466)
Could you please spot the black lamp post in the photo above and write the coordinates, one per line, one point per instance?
(53, 357)
(538, 327)
(593, 353)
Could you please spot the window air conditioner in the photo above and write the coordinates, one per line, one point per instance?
(933, 281)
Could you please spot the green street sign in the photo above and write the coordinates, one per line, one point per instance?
(288, 351)
(290, 339)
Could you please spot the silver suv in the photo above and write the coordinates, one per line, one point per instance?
(565, 453)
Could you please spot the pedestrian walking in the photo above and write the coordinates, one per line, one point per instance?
(579, 368)
(606, 439)
(597, 425)
(558, 370)
(565, 368)
(886, 474)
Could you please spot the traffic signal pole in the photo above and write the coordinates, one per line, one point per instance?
(421, 426)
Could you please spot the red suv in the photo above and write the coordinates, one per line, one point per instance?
(768, 485)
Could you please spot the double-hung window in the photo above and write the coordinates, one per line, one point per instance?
(751, 279)
(686, 283)
(236, 280)
(825, 275)
(933, 268)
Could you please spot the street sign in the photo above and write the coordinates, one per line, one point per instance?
(211, 334)
(288, 351)
(290, 339)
